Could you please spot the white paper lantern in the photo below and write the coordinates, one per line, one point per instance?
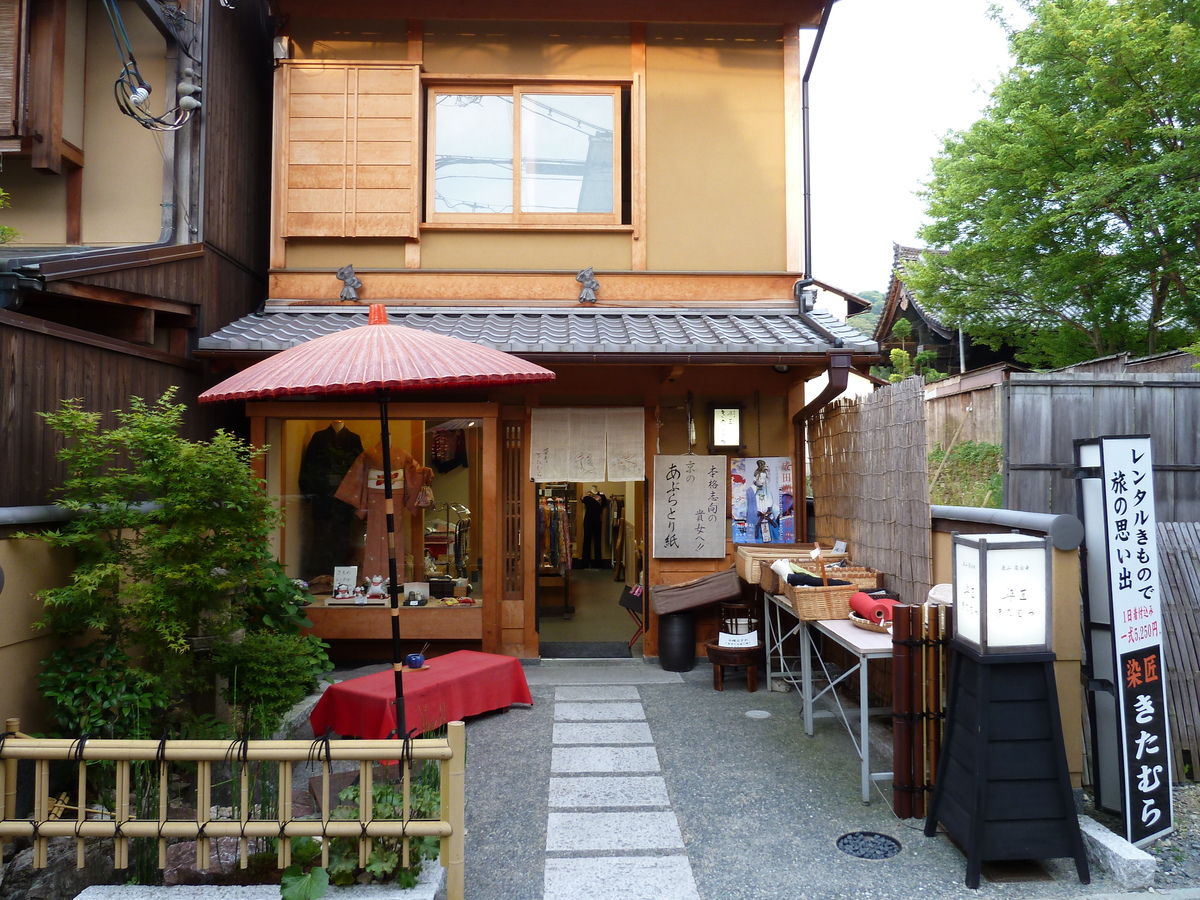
(1002, 593)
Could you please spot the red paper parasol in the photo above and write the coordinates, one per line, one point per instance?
(376, 361)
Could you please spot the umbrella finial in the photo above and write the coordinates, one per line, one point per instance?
(378, 314)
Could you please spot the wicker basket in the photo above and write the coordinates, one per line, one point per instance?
(813, 603)
(863, 578)
(751, 561)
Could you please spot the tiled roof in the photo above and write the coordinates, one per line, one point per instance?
(557, 332)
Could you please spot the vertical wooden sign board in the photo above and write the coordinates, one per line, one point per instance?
(689, 507)
(1003, 789)
(1127, 693)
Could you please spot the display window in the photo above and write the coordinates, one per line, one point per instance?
(329, 476)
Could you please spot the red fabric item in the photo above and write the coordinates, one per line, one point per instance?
(871, 609)
(457, 685)
(376, 358)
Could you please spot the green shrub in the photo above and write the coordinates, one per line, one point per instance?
(969, 475)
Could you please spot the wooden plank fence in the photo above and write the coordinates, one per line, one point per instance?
(1045, 414)
(1179, 560)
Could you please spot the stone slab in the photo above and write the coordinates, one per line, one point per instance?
(596, 692)
(627, 877)
(602, 733)
(1131, 868)
(566, 831)
(571, 760)
(608, 791)
(598, 711)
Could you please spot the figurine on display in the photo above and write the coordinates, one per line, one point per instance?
(376, 588)
(342, 592)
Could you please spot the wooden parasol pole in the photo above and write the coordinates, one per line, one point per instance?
(393, 587)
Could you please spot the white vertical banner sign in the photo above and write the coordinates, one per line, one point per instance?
(689, 507)
(1130, 550)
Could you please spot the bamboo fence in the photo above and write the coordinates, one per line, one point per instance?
(248, 820)
(870, 484)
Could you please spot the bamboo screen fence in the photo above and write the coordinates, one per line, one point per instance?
(238, 811)
(870, 484)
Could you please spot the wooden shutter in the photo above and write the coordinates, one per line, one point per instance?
(348, 149)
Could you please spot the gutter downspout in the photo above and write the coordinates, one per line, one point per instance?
(804, 130)
(839, 377)
(801, 291)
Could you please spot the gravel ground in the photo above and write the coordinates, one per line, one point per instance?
(1178, 854)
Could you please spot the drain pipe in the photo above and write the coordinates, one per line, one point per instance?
(804, 128)
(803, 291)
(839, 377)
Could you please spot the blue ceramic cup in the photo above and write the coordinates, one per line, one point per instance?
(414, 660)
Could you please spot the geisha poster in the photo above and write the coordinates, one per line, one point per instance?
(763, 500)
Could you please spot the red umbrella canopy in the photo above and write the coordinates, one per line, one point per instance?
(376, 358)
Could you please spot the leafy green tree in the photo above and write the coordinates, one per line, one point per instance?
(172, 558)
(1070, 212)
(6, 233)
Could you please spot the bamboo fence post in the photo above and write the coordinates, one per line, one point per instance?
(8, 784)
(454, 797)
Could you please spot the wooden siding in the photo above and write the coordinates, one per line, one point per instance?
(349, 149)
(1179, 553)
(1046, 414)
(237, 148)
(41, 364)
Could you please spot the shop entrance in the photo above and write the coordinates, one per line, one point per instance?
(589, 549)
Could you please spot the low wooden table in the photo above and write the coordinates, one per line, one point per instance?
(720, 657)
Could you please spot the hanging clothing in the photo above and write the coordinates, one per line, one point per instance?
(593, 518)
(554, 534)
(334, 531)
(363, 489)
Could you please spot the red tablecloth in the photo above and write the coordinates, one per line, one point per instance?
(457, 685)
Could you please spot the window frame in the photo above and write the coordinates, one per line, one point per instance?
(617, 89)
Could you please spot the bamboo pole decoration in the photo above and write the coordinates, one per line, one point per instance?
(901, 720)
(933, 698)
(916, 673)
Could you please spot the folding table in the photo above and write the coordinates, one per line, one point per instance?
(865, 645)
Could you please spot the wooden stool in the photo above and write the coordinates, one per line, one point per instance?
(734, 656)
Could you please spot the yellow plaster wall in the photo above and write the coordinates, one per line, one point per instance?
(123, 180)
(527, 48)
(348, 39)
(29, 566)
(37, 204)
(74, 64)
(715, 172)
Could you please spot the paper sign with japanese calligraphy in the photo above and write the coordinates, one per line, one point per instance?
(1133, 574)
(689, 507)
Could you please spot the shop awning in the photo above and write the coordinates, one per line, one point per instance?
(559, 334)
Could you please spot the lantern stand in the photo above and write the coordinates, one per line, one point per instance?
(1003, 790)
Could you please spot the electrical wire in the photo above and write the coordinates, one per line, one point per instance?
(131, 90)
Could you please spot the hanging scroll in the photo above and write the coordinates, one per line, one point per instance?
(689, 507)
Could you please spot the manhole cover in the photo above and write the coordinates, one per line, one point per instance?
(868, 845)
(757, 714)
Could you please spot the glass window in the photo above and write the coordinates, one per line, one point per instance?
(334, 518)
(527, 156)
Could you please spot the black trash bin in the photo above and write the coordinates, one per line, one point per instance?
(677, 641)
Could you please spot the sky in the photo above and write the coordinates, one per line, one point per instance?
(891, 78)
